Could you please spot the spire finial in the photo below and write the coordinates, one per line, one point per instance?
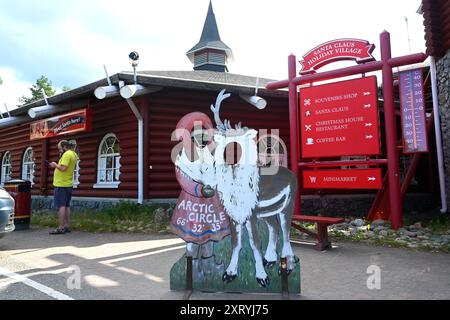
(210, 53)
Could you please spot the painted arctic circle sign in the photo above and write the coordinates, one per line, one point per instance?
(340, 119)
(337, 50)
(221, 198)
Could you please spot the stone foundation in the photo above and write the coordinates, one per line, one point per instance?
(40, 203)
(329, 205)
(443, 82)
(359, 205)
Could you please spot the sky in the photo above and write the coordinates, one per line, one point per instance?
(69, 41)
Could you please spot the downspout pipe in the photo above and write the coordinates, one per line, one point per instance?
(437, 129)
(140, 119)
(127, 92)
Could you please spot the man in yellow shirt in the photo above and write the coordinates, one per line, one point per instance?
(63, 184)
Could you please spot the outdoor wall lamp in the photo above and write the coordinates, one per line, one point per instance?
(42, 110)
(106, 92)
(256, 101)
(134, 90)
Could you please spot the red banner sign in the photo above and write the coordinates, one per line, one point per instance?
(340, 119)
(337, 50)
(342, 179)
(76, 121)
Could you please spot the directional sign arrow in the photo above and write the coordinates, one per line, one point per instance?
(369, 136)
(342, 179)
(367, 105)
(366, 93)
(368, 124)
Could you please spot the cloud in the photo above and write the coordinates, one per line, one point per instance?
(69, 41)
(11, 89)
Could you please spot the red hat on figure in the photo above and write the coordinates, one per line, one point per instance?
(187, 123)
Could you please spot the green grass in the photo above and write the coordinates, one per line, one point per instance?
(432, 219)
(439, 224)
(132, 218)
(436, 223)
(246, 280)
(121, 217)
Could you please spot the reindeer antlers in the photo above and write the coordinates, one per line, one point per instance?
(225, 125)
(220, 125)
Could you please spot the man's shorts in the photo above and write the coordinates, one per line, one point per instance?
(62, 196)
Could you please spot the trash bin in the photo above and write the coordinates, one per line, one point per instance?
(20, 190)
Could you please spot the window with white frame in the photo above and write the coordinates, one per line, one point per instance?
(6, 168)
(108, 168)
(76, 172)
(28, 165)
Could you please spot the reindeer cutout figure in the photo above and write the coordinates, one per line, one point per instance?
(249, 196)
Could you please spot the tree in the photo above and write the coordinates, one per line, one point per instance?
(65, 88)
(1, 81)
(36, 91)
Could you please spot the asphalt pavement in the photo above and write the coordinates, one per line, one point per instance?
(109, 266)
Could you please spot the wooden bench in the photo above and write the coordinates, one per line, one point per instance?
(322, 228)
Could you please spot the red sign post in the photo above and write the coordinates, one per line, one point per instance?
(385, 65)
(340, 119)
(342, 179)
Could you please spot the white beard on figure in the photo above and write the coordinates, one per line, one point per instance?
(200, 170)
(238, 187)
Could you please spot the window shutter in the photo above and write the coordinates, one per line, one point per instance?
(102, 169)
(32, 173)
(216, 58)
(76, 173)
(117, 169)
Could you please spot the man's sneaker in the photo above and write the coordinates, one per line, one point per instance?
(58, 231)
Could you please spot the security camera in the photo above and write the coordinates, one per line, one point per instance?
(134, 57)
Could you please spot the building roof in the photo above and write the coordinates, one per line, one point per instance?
(193, 80)
(436, 14)
(210, 37)
(209, 77)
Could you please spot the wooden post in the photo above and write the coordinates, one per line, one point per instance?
(284, 277)
(44, 167)
(395, 203)
(322, 237)
(189, 285)
(294, 128)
